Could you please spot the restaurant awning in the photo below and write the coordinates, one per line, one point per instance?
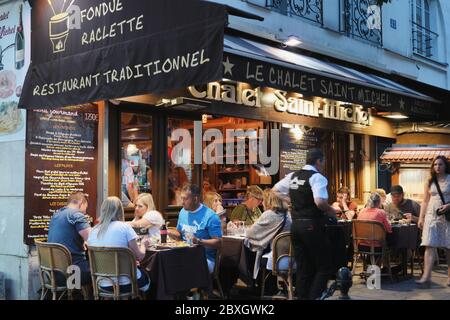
(265, 65)
(90, 50)
(414, 154)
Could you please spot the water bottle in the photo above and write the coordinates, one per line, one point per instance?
(163, 233)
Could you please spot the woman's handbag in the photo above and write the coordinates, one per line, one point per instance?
(447, 213)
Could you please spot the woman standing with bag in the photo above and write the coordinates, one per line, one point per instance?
(434, 217)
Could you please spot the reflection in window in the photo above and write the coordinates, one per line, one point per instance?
(136, 163)
(181, 163)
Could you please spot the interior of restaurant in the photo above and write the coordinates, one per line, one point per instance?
(231, 171)
(229, 174)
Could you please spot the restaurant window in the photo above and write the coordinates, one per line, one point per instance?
(136, 156)
(344, 164)
(181, 168)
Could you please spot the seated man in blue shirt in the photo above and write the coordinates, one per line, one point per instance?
(70, 228)
(200, 221)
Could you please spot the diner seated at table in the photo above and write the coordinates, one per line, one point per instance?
(198, 223)
(146, 216)
(402, 208)
(113, 231)
(248, 211)
(383, 196)
(274, 220)
(373, 212)
(213, 200)
(345, 208)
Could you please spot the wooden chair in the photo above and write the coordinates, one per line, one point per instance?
(281, 249)
(370, 232)
(108, 263)
(55, 258)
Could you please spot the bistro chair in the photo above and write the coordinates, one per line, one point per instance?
(55, 258)
(282, 249)
(370, 232)
(110, 263)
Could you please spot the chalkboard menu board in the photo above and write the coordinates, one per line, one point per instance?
(294, 148)
(61, 158)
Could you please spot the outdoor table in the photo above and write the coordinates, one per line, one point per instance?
(403, 238)
(176, 270)
(234, 262)
(340, 238)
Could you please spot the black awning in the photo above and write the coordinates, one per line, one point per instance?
(98, 49)
(268, 66)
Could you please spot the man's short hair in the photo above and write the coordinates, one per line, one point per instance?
(397, 189)
(193, 189)
(77, 197)
(313, 155)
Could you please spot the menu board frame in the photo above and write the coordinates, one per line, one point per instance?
(61, 158)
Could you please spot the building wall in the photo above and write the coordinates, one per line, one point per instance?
(423, 138)
(14, 263)
(395, 56)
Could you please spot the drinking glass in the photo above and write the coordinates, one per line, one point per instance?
(189, 237)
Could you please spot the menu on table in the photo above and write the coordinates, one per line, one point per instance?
(60, 158)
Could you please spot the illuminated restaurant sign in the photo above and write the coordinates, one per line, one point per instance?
(281, 101)
(320, 84)
(97, 49)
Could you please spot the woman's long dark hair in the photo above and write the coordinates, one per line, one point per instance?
(433, 177)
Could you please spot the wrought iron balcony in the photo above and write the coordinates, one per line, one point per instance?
(362, 19)
(311, 10)
(424, 41)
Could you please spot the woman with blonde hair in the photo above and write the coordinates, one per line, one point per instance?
(213, 200)
(434, 217)
(273, 221)
(248, 211)
(146, 216)
(113, 231)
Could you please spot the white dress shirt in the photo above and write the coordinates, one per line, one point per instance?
(317, 181)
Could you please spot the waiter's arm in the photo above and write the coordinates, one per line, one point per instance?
(281, 188)
(319, 188)
(323, 205)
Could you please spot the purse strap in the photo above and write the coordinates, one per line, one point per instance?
(439, 190)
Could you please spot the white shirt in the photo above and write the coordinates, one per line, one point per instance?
(317, 181)
(117, 235)
(155, 218)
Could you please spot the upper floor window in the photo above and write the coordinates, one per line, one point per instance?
(362, 20)
(311, 10)
(424, 39)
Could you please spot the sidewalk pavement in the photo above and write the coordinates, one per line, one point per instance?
(402, 290)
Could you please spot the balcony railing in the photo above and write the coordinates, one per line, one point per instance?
(424, 41)
(311, 10)
(362, 19)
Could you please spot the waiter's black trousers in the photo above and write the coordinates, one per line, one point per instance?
(313, 256)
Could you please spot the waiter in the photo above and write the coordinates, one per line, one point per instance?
(307, 189)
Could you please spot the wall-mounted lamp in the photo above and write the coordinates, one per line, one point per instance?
(291, 41)
(393, 115)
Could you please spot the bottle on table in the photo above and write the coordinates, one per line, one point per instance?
(163, 232)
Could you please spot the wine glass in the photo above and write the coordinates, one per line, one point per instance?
(189, 237)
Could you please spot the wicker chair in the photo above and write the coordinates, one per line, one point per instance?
(281, 249)
(55, 258)
(370, 232)
(108, 263)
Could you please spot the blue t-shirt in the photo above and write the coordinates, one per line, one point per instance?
(203, 223)
(63, 229)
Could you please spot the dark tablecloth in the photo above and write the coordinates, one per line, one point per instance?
(404, 237)
(237, 262)
(176, 271)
